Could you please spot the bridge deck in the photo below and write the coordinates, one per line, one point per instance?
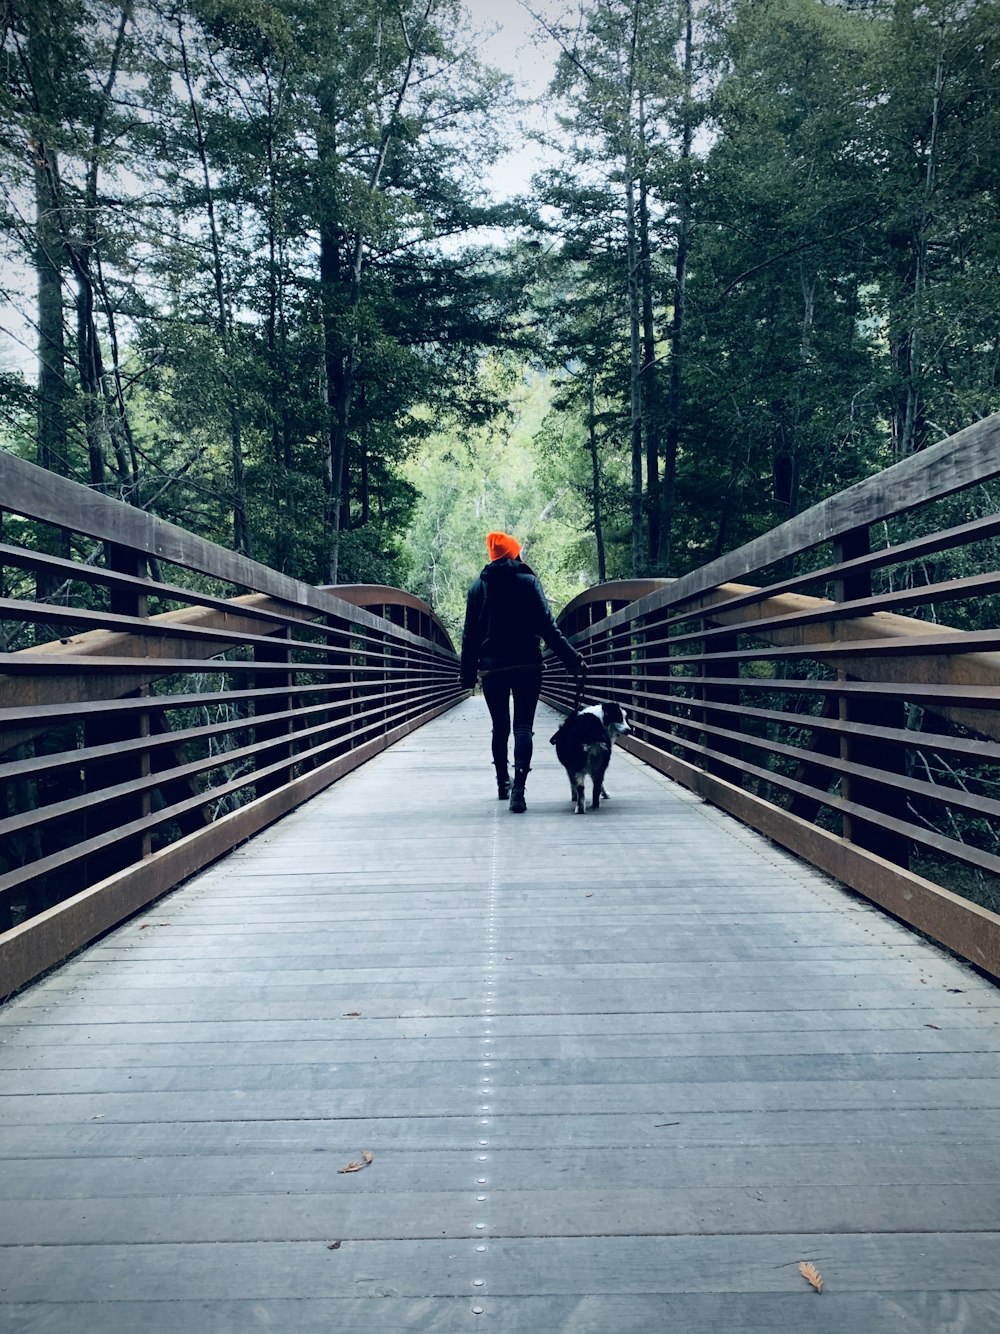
(617, 1073)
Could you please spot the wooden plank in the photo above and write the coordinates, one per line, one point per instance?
(607, 1266)
(534, 1008)
(694, 1313)
(56, 1028)
(671, 1058)
(968, 929)
(954, 1071)
(242, 1174)
(339, 1102)
(117, 1047)
(923, 1130)
(28, 950)
(38, 494)
(655, 1211)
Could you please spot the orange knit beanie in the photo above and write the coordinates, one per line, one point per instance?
(502, 544)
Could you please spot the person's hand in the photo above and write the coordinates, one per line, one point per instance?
(581, 668)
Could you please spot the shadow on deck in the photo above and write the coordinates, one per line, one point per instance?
(616, 1073)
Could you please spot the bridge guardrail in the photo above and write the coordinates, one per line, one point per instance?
(162, 699)
(784, 683)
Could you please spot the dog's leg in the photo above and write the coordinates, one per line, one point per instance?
(578, 796)
(599, 786)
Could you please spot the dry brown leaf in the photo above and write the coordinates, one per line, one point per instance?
(368, 1157)
(351, 1167)
(333, 1245)
(811, 1274)
(352, 1014)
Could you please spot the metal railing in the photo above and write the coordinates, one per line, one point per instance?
(835, 683)
(162, 699)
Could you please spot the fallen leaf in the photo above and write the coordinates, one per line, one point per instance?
(938, 1026)
(660, 1124)
(351, 1167)
(333, 1245)
(811, 1274)
(352, 1014)
(368, 1157)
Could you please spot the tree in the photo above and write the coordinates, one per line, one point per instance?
(936, 265)
(625, 78)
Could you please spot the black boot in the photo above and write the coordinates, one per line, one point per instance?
(503, 782)
(517, 802)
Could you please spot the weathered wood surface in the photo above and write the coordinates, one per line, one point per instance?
(617, 1073)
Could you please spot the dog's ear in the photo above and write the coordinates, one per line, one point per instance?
(552, 738)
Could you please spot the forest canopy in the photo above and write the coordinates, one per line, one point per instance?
(252, 250)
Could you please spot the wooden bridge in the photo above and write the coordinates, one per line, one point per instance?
(623, 1072)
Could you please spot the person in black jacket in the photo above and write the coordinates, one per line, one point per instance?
(506, 614)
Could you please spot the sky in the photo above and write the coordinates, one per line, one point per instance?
(513, 43)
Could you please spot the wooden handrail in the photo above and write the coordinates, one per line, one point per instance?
(802, 700)
(138, 747)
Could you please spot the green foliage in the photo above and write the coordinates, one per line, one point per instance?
(282, 202)
(505, 475)
(272, 214)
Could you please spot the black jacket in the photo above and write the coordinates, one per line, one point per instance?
(506, 614)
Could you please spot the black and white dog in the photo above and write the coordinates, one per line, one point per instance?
(583, 745)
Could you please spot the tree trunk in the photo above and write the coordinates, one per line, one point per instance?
(241, 531)
(40, 64)
(912, 430)
(365, 487)
(635, 360)
(635, 383)
(52, 435)
(595, 474)
(339, 374)
(675, 393)
(341, 352)
(88, 362)
(650, 401)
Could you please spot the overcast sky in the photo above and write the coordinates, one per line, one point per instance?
(515, 46)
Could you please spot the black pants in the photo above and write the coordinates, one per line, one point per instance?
(523, 685)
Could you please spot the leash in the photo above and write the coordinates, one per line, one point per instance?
(579, 693)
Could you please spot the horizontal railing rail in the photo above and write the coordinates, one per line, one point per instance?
(162, 699)
(782, 682)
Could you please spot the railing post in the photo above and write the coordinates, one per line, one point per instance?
(856, 708)
(132, 761)
(341, 682)
(728, 668)
(268, 731)
(655, 679)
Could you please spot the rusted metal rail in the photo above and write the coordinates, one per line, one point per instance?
(162, 699)
(782, 682)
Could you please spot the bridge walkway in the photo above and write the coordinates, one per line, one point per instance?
(620, 1072)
